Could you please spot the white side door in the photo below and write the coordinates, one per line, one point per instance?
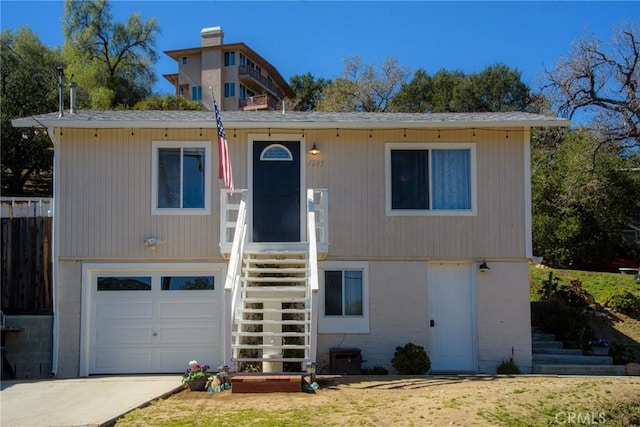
(452, 341)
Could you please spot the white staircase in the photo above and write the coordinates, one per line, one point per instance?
(273, 289)
(273, 319)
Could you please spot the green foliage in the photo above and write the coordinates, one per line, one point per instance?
(508, 367)
(621, 353)
(583, 196)
(112, 61)
(411, 359)
(376, 370)
(624, 302)
(496, 88)
(308, 90)
(29, 86)
(168, 102)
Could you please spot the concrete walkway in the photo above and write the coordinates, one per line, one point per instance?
(92, 401)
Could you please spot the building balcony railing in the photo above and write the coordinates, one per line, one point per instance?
(245, 71)
(259, 102)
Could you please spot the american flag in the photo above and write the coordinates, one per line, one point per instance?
(224, 163)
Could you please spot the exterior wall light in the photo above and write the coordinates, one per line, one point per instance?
(483, 266)
(152, 242)
(314, 150)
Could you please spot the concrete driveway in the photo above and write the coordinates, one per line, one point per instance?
(90, 401)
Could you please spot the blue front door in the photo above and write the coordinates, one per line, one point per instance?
(276, 191)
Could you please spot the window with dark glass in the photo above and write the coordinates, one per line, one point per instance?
(124, 283)
(181, 177)
(431, 179)
(343, 295)
(187, 283)
(229, 58)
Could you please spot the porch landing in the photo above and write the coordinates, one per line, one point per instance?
(266, 383)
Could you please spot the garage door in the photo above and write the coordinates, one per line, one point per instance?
(154, 321)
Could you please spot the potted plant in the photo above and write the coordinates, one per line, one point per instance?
(196, 376)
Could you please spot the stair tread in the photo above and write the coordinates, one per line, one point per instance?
(270, 334)
(300, 270)
(274, 279)
(561, 351)
(275, 310)
(275, 299)
(269, 346)
(272, 322)
(562, 369)
(572, 359)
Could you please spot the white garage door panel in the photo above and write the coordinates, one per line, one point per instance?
(156, 330)
(204, 334)
(120, 310)
(174, 360)
(109, 335)
(121, 361)
(180, 309)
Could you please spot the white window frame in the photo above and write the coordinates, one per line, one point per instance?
(156, 146)
(430, 146)
(344, 324)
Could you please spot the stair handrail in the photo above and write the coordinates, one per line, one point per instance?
(232, 280)
(313, 274)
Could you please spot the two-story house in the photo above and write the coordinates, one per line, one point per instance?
(357, 230)
(241, 79)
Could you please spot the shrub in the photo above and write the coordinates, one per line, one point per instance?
(621, 353)
(508, 367)
(569, 324)
(624, 302)
(376, 370)
(411, 359)
(573, 295)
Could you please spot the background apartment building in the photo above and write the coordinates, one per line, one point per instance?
(241, 79)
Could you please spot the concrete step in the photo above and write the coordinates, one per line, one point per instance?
(555, 350)
(599, 370)
(546, 344)
(561, 359)
(536, 336)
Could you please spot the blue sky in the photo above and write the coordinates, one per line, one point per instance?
(313, 36)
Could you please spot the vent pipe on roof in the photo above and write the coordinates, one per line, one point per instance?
(60, 92)
(72, 101)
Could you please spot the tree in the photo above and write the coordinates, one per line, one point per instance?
(168, 102)
(308, 90)
(112, 61)
(362, 88)
(583, 196)
(603, 83)
(496, 88)
(28, 86)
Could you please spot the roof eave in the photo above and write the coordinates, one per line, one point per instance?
(69, 121)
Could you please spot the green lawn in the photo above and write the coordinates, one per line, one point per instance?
(598, 284)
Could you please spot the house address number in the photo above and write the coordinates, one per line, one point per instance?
(315, 163)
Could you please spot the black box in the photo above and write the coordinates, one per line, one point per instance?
(345, 361)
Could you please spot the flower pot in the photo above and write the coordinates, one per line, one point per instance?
(197, 385)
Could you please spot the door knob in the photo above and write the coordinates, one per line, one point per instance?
(155, 334)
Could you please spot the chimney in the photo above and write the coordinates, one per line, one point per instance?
(212, 36)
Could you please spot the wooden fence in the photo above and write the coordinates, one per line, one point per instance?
(26, 265)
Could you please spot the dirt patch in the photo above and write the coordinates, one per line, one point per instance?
(407, 401)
